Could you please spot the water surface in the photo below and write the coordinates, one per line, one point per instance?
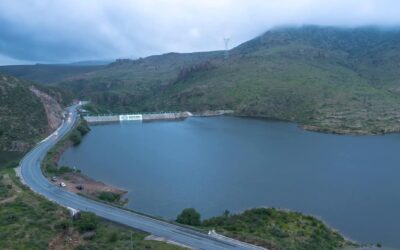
(218, 163)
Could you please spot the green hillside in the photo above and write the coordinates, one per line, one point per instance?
(23, 117)
(277, 229)
(48, 74)
(329, 79)
(29, 221)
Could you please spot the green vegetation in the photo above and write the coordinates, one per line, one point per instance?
(75, 137)
(87, 222)
(189, 216)
(9, 159)
(109, 197)
(50, 162)
(81, 129)
(23, 119)
(338, 80)
(28, 221)
(272, 228)
(47, 73)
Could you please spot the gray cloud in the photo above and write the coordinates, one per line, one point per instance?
(71, 30)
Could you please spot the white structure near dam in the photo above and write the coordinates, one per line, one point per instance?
(136, 117)
(130, 117)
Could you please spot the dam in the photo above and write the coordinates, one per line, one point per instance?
(136, 117)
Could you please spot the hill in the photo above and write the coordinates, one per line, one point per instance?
(29, 221)
(341, 80)
(49, 74)
(27, 112)
(278, 229)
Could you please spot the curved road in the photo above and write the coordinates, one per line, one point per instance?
(32, 176)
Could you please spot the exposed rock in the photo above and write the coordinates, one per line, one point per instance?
(52, 107)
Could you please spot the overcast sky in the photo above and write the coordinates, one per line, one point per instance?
(54, 31)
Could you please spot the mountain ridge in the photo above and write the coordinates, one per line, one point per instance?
(330, 79)
(339, 80)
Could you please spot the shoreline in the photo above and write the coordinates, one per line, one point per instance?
(77, 182)
(319, 129)
(124, 192)
(366, 246)
(182, 115)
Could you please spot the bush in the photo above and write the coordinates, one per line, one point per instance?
(51, 169)
(75, 137)
(83, 127)
(189, 216)
(109, 196)
(63, 225)
(81, 130)
(113, 237)
(64, 170)
(87, 222)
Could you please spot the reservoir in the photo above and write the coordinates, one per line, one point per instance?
(218, 163)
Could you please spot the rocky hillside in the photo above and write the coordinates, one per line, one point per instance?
(27, 112)
(330, 79)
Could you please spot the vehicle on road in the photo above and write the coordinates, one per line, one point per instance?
(62, 184)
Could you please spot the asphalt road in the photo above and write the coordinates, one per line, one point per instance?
(32, 176)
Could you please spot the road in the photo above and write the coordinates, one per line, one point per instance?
(32, 176)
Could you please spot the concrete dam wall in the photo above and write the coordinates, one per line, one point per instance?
(166, 116)
(136, 117)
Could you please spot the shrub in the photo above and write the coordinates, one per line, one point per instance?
(87, 222)
(83, 127)
(109, 196)
(113, 237)
(75, 137)
(51, 169)
(189, 216)
(64, 170)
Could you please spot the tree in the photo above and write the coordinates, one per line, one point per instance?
(189, 216)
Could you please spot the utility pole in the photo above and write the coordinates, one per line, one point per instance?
(131, 241)
(226, 41)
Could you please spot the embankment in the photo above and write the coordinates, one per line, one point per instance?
(93, 119)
